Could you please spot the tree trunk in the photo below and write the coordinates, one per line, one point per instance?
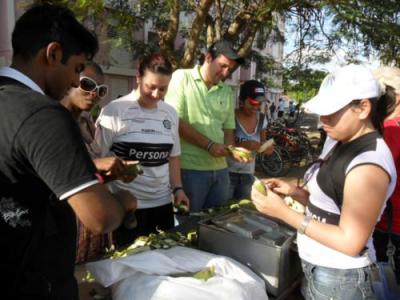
(195, 32)
(247, 40)
(167, 38)
(218, 20)
(210, 31)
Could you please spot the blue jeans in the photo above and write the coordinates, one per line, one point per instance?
(322, 283)
(240, 187)
(206, 189)
(380, 243)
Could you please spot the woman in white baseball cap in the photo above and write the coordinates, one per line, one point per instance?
(344, 191)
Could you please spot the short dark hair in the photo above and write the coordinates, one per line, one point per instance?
(46, 23)
(156, 63)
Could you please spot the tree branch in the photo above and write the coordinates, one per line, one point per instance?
(218, 20)
(197, 26)
(167, 37)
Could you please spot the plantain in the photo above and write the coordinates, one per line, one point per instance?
(133, 170)
(245, 154)
(181, 209)
(205, 274)
(260, 186)
(245, 203)
(266, 145)
(160, 240)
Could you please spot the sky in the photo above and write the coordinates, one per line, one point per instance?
(337, 60)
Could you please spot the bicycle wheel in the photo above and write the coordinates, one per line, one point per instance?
(273, 165)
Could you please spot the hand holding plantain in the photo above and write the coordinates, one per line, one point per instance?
(240, 154)
(114, 168)
(218, 150)
(267, 201)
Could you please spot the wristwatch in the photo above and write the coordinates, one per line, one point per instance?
(177, 188)
(304, 224)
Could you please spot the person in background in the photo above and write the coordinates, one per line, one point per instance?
(281, 108)
(79, 101)
(347, 188)
(389, 79)
(205, 106)
(47, 178)
(249, 134)
(272, 110)
(140, 126)
(292, 109)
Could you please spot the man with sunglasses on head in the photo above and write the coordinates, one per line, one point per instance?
(46, 175)
(205, 106)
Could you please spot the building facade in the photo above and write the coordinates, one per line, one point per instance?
(120, 68)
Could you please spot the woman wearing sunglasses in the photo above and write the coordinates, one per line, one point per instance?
(79, 101)
(249, 134)
(345, 194)
(140, 126)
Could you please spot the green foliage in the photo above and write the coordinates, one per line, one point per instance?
(302, 84)
(373, 25)
(322, 27)
(359, 27)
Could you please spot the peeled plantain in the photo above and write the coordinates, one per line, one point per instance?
(205, 274)
(260, 186)
(241, 152)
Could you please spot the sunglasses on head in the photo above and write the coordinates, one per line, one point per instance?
(87, 84)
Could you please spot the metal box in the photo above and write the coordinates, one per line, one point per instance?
(265, 245)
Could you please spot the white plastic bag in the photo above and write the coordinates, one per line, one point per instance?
(144, 276)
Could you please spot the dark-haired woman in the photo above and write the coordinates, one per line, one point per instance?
(140, 126)
(79, 101)
(249, 134)
(389, 79)
(347, 189)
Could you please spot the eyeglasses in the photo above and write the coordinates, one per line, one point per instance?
(87, 84)
(312, 168)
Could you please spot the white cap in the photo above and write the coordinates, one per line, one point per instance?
(348, 83)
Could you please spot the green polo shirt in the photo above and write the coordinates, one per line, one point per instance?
(209, 111)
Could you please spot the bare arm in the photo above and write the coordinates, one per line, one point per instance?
(364, 195)
(175, 180)
(254, 145)
(175, 172)
(191, 135)
(263, 136)
(229, 137)
(97, 209)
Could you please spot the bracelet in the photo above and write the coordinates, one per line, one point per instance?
(209, 145)
(304, 224)
(177, 188)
